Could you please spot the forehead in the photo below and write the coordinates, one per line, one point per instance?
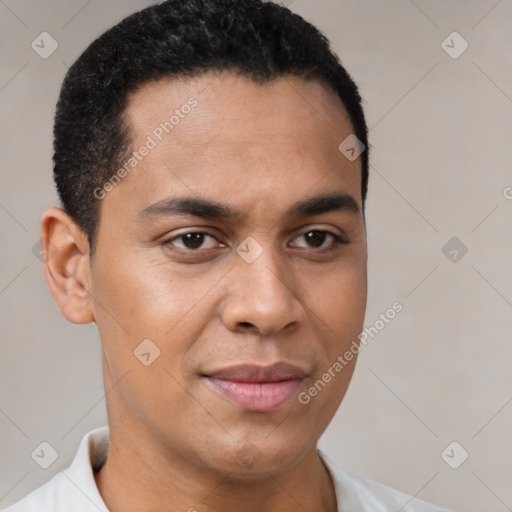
(222, 134)
(226, 99)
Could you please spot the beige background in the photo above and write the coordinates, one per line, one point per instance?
(442, 152)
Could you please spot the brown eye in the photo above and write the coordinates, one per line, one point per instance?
(191, 241)
(316, 238)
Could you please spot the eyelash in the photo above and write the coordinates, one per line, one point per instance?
(337, 240)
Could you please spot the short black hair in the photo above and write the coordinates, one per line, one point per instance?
(255, 38)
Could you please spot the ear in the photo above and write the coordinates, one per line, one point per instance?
(65, 252)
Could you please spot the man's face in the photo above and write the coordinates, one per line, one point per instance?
(267, 285)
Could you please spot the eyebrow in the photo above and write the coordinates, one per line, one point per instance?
(209, 209)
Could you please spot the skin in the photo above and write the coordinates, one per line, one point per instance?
(175, 442)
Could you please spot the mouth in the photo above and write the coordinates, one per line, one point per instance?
(258, 388)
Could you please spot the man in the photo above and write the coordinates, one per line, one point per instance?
(211, 158)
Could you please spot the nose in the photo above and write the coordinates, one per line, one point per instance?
(262, 296)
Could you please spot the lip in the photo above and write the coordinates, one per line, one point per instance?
(258, 388)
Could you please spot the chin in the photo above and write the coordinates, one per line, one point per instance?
(251, 460)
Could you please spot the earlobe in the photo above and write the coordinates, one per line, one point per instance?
(66, 265)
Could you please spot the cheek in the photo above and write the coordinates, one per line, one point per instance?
(338, 304)
(147, 323)
(151, 300)
(143, 296)
(339, 294)
(338, 309)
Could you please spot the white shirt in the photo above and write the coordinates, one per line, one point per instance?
(75, 490)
